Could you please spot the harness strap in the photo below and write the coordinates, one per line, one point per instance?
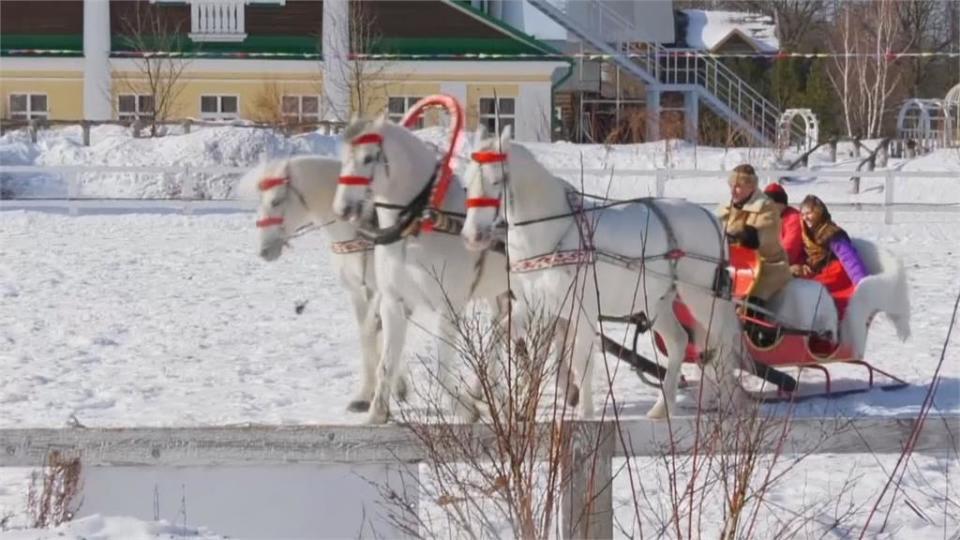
(672, 245)
(346, 247)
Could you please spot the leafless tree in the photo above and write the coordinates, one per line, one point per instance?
(361, 77)
(863, 75)
(159, 63)
(933, 26)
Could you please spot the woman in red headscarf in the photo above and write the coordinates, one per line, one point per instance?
(791, 229)
(829, 255)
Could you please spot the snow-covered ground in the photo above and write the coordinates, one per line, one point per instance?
(159, 319)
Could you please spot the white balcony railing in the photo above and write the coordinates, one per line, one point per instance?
(217, 20)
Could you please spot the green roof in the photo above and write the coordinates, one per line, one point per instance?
(511, 44)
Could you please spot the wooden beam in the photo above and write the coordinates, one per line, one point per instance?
(261, 444)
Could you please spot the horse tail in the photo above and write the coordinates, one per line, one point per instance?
(884, 290)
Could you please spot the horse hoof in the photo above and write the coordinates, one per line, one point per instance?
(573, 397)
(359, 406)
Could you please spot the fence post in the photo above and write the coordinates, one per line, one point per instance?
(187, 125)
(33, 129)
(856, 147)
(888, 198)
(833, 150)
(85, 126)
(911, 149)
(587, 504)
(187, 190)
(137, 125)
(73, 190)
(661, 183)
(883, 153)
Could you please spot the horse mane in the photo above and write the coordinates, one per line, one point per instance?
(247, 187)
(356, 128)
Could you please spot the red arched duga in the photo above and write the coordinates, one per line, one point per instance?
(446, 172)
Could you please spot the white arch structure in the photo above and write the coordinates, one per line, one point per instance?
(811, 127)
(951, 103)
(932, 123)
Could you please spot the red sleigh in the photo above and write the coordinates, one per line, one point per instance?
(783, 348)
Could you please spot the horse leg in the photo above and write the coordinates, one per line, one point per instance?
(564, 344)
(676, 338)
(718, 334)
(366, 310)
(394, 317)
(581, 363)
(486, 390)
(461, 403)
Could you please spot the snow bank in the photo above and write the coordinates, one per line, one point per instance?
(609, 169)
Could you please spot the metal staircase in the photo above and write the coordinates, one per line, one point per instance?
(663, 69)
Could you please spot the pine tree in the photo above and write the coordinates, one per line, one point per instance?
(786, 85)
(819, 97)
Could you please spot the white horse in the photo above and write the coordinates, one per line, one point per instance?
(298, 192)
(646, 253)
(387, 165)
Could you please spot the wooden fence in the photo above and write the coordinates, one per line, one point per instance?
(587, 506)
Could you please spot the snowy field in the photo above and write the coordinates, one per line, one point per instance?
(121, 317)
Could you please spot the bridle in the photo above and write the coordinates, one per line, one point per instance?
(274, 182)
(410, 214)
(489, 158)
(367, 138)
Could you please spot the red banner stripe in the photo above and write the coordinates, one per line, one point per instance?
(483, 202)
(354, 181)
(488, 157)
(269, 222)
(369, 138)
(270, 183)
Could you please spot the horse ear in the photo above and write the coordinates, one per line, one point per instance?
(505, 137)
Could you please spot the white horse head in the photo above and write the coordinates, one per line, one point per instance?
(373, 151)
(291, 194)
(485, 176)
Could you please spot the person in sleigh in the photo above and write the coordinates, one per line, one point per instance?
(751, 222)
(829, 255)
(791, 227)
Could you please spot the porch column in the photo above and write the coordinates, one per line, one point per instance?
(691, 116)
(97, 90)
(336, 66)
(653, 114)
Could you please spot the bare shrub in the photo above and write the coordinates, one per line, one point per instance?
(52, 498)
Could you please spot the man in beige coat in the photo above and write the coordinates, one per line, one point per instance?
(752, 221)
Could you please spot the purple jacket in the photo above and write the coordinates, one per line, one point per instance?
(844, 251)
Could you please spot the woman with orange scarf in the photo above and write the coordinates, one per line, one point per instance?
(831, 257)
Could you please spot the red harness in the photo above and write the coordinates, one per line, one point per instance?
(484, 158)
(368, 138)
(265, 185)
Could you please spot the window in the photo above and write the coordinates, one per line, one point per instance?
(298, 109)
(27, 106)
(219, 107)
(132, 106)
(398, 106)
(497, 113)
